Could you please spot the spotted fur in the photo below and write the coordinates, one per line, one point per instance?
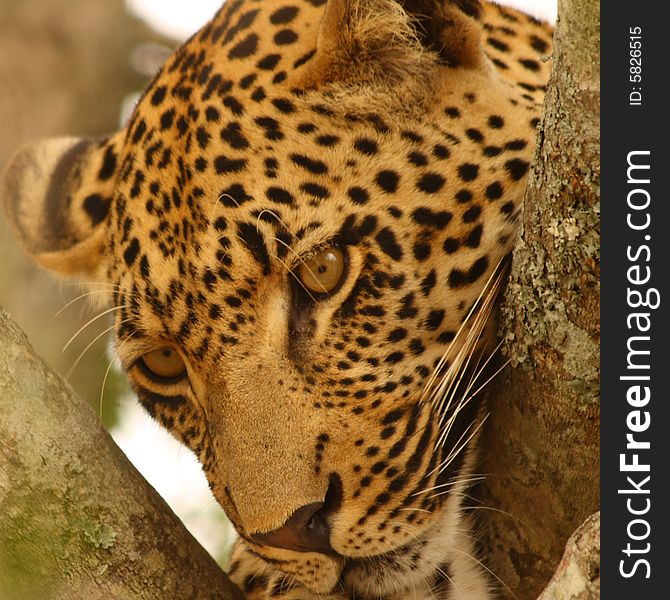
(400, 131)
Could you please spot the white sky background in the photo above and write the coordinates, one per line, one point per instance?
(180, 18)
(169, 467)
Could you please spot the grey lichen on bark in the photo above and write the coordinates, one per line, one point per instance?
(77, 521)
(578, 574)
(541, 449)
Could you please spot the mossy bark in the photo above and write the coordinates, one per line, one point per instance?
(541, 450)
(77, 522)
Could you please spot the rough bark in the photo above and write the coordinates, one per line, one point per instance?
(77, 521)
(578, 574)
(541, 449)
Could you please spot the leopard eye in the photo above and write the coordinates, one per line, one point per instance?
(164, 365)
(323, 272)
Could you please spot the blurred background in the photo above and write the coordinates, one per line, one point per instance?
(76, 67)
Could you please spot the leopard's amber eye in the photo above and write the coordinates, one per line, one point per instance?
(322, 272)
(164, 364)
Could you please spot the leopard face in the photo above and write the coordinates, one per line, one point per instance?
(299, 228)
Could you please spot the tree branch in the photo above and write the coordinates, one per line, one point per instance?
(541, 450)
(77, 521)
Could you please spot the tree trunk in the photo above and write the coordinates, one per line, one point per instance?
(541, 448)
(578, 574)
(77, 522)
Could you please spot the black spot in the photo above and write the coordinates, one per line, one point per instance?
(212, 114)
(517, 168)
(538, 44)
(474, 237)
(530, 64)
(234, 196)
(494, 191)
(429, 218)
(499, 63)
(497, 44)
(397, 334)
(223, 164)
(159, 95)
(492, 151)
(247, 81)
(434, 319)
(271, 126)
(314, 189)
(516, 145)
(453, 112)
(421, 251)
(440, 151)
(279, 195)
(284, 105)
(245, 48)
(303, 59)
(367, 226)
(451, 245)
(256, 244)
(397, 281)
(313, 166)
(97, 208)
(496, 122)
(468, 171)
(416, 347)
(428, 283)
(474, 134)
(408, 311)
(394, 357)
(140, 130)
(417, 159)
(388, 244)
(430, 183)
(445, 337)
(285, 37)
(108, 165)
(458, 278)
(472, 214)
(269, 62)
(232, 134)
(327, 140)
(234, 105)
(131, 252)
(387, 181)
(167, 119)
(366, 146)
(358, 195)
(203, 137)
(284, 15)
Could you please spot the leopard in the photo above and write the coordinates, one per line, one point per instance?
(301, 234)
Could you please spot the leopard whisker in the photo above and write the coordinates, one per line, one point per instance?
(300, 283)
(91, 321)
(279, 220)
(85, 350)
(489, 571)
(109, 368)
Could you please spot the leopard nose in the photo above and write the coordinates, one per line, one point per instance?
(308, 528)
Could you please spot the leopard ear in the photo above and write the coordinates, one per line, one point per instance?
(57, 194)
(393, 42)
